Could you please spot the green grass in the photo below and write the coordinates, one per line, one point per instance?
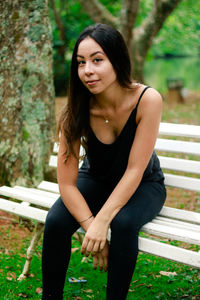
(147, 283)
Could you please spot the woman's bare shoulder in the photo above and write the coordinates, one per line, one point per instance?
(151, 97)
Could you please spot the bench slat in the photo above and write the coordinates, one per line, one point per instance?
(183, 182)
(185, 130)
(28, 212)
(177, 146)
(178, 164)
(37, 192)
(39, 200)
(49, 186)
(179, 224)
(180, 214)
(190, 258)
(178, 234)
(53, 161)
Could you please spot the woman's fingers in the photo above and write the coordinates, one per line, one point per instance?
(105, 260)
(100, 261)
(95, 249)
(89, 247)
(102, 245)
(84, 245)
(95, 261)
(92, 246)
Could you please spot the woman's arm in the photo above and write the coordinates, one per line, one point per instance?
(67, 174)
(148, 120)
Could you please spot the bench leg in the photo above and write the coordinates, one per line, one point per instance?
(35, 239)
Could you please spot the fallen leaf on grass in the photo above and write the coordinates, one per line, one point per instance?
(85, 259)
(39, 290)
(167, 273)
(81, 278)
(88, 291)
(74, 250)
(11, 276)
(22, 295)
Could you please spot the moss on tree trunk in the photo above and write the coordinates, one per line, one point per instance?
(27, 121)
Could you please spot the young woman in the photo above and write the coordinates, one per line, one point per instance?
(120, 184)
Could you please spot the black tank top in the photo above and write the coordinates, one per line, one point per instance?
(108, 162)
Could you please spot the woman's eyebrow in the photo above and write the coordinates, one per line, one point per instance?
(91, 55)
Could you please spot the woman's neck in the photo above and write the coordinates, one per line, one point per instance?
(111, 98)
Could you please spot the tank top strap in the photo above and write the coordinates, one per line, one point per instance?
(147, 87)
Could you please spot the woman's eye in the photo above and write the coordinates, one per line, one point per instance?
(81, 62)
(97, 60)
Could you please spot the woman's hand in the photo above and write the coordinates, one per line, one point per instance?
(101, 258)
(95, 238)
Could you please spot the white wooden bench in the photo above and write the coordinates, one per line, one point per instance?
(171, 223)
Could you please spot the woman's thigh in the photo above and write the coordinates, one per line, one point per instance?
(141, 208)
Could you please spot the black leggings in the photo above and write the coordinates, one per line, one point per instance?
(142, 207)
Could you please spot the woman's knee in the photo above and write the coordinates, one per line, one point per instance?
(124, 225)
(59, 220)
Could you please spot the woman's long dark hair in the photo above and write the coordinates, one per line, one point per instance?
(74, 120)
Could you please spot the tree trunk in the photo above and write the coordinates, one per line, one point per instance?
(27, 121)
(147, 31)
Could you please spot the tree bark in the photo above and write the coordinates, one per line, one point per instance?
(127, 20)
(138, 40)
(27, 121)
(62, 31)
(98, 12)
(145, 34)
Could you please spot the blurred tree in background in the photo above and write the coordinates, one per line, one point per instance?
(151, 28)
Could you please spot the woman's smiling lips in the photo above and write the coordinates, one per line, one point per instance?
(92, 82)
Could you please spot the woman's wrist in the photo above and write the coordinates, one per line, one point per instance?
(105, 219)
(86, 224)
(84, 220)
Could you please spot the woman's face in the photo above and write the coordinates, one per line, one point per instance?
(94, 68)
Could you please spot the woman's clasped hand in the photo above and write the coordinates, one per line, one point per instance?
(95, 243)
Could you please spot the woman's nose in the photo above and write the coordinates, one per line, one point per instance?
(88, 68)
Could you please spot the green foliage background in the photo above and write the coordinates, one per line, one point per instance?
(179, 36)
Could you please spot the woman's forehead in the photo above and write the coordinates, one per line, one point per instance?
(89, 46)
